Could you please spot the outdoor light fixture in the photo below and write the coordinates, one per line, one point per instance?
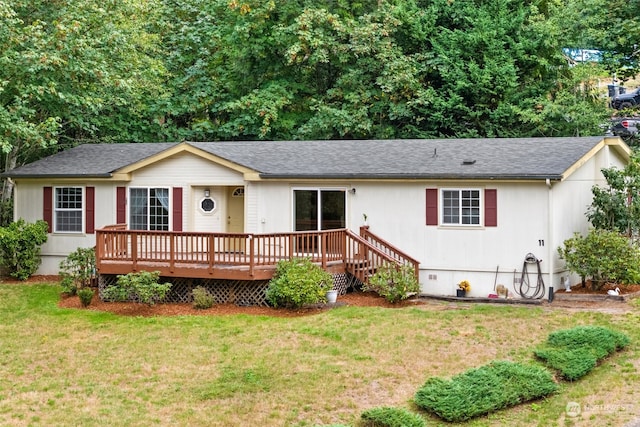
(352, 191)
(207, 193)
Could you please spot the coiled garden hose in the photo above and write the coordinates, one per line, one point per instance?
(526, 289)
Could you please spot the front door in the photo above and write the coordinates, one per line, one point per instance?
(235, 216)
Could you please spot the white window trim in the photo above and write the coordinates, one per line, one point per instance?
(460, 190)
(56, 209)
(148, 188)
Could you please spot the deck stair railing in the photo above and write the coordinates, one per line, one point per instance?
(366, 253)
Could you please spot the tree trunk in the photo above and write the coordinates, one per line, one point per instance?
(11, 159)
(7, 185)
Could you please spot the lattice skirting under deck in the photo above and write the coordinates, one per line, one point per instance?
(240, 292)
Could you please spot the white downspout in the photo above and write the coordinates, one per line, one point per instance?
(550, 235)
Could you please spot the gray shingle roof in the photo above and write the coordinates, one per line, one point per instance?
(514, 158)
(495, 158)
(89, 160)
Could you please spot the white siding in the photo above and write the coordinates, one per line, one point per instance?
(29, 206)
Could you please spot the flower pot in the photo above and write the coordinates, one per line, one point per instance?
(461, 293)
(332, 296)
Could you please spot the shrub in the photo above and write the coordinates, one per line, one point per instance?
(391, 417)
(77, 270)
(298, 282)
(202, 298)
(575, 352)
(603, 256)
(394, 283)
(20, 245)
(480, 391)
(140, 287)
(68, 285)
(85, 295)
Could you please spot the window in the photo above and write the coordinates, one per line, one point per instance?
(319, 209)
(461, 207)
(149, 209)
(67, 210)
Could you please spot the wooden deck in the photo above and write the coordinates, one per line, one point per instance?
(240, 256)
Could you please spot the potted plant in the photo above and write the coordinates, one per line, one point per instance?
(463, 288)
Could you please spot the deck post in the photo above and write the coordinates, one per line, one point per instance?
(211, 253)
(323, 244)
(252, 255)
(172, 252)
(291, 247)
(134, 251)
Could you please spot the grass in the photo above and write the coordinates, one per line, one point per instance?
(81, 367)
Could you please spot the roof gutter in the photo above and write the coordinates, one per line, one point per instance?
(42, 176)
(547, 178)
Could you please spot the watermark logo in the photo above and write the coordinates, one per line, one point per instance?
(573, 409)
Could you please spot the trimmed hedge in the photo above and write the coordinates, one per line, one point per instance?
(480, 391)
(391, 417)
(575, 352)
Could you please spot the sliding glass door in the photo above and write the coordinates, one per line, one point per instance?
(318, 209)
(315, 210)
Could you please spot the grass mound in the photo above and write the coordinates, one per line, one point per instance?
(479, 391)
(391, 417)
(575, 352)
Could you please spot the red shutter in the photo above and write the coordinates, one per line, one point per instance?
(89, 211)
(490, 208)
(47, 206)
(121, 205)
(432, 206)
(177, 208)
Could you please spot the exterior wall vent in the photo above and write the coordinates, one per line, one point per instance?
(468, 162)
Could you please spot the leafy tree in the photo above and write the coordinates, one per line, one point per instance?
(616, 207)
(609, 26)
(71, 72)
(373, 69)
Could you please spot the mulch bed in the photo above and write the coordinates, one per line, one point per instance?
(362, 299)
(586, 290)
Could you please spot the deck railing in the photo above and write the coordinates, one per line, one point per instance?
(229, 255)
(396, 254)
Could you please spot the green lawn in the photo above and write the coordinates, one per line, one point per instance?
(82, 367)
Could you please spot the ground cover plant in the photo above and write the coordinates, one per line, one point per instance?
(575, 352)
(62, 366)
(391, 417)
(482, 390)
